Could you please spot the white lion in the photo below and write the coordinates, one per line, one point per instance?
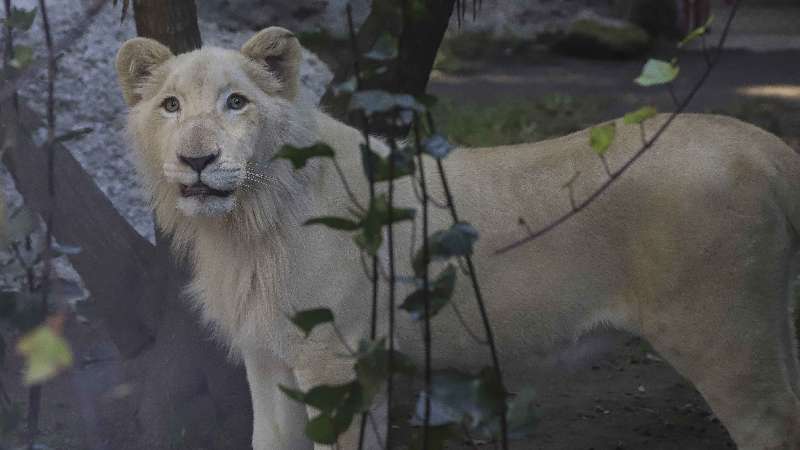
(690, 248)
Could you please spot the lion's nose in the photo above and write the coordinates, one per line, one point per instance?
(199, 163)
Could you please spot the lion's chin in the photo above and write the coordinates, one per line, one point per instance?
(206, 205)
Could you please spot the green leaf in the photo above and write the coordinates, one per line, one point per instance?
(601, 137)
(21, 19)
(438, 296)
(46, 354)
(23, 56)
(377, 101)
(376, 218)
(640, 115)
(372, 368)
(376, 168)
(458, 397)
(437, 146)
(309, 319)
(521, 415)
(657, 72)
(21, 224)
(299, 156)
(385, 48)
(697, 32)
(322, 430)
(337, 405)
(458, 240)
(336, 223)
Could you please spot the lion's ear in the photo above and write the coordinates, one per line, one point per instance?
(279, 51)
(136, 60)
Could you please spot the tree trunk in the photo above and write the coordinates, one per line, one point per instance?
(191, 395)
(171, 22)
(420, 27)
(188, 395)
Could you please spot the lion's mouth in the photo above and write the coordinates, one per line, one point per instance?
(202, 190)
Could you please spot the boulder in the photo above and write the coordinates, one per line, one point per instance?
(592, 36)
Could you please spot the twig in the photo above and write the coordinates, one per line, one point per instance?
(346, 185)
(425, 282)
(66, 42)
(478, 298)
(373, 331)
(35, 394)
(646, 146)
(392, 291)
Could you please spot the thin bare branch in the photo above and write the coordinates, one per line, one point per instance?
(645, 147)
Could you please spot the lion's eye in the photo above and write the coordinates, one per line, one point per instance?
(171, 104)
(236, 101)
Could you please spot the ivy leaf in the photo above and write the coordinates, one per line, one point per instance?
(439, 295)
(521, 415)
(325, 398)
(385, 48)
(46, 353)
(21, 19)
(657, 72)
(640, 115)
(372, 368)
(376, 101)
(337, 405)
(697, 32)
(458, 240)
(458, 397)
(437, 146)
(309, 319)
(602, 137)
(299, 156)
(376, 168)
(371, 236)
(336, 223)
(23, 56)
(322, 430)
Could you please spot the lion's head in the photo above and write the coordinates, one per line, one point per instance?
(206, 123)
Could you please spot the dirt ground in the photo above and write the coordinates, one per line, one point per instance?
(619, 396)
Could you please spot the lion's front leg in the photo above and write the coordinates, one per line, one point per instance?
(278, 421)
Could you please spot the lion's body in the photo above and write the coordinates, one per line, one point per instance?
(690, 249)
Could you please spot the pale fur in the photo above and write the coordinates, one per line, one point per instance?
(689, 249)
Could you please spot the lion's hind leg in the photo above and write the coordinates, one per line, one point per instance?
(741, 363)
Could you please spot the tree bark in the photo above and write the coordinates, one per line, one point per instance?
(187, 393)
(171, 22)
(420, 27)
(189, 388)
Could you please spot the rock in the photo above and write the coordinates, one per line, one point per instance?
(297, 15)
(657, 17)
(593, 36)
